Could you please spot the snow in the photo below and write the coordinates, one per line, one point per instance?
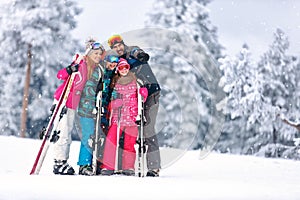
(217, 176)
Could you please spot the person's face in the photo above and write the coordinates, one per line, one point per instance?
(110, 65)
(96, 55)
(123, 70)
(119, 48)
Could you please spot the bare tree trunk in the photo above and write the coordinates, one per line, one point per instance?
(26, 94)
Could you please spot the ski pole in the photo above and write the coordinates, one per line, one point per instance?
(118, 138)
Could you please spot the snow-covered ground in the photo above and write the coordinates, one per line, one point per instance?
(218, 176)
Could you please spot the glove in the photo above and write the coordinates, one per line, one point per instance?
(72, 68)
(144, 93)
(143, 57)
(116, 103)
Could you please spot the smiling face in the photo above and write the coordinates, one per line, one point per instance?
(124, 71)
(119, 48)
(95, 55)
(123, 67)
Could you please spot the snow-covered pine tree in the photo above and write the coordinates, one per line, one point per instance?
(195, 43)
(280, 73)
(46, 26)
(257, 95)
(242, 83)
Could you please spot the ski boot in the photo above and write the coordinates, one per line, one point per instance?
(128, 172)
(61, 167)
(86, 170)
(107, 172)
(153, 173)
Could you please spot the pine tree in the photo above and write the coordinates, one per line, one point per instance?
(258, 94)
(44, 25)
(280, 74)
(241, 82)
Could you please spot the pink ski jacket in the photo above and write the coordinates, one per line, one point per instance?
(77, 86)
(129, 109)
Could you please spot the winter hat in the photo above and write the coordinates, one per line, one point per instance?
(122, 63)
(114, 39)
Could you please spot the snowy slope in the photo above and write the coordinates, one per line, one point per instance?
(218, 176)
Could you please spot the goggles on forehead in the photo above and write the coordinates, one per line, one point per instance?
(111, 58)
(95, 46)
(114, 40)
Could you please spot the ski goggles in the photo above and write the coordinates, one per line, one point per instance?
(95, 46)
(122, 67)
(111, 58)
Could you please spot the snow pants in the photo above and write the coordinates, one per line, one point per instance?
(87, 126)
(128, 156)
(65, 126)
(153, 153)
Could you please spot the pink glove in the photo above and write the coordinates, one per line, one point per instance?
(116, 103)
(144, 93)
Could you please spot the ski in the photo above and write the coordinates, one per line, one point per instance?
(99, 136)
(118, 140)
(98, 141)
(49, 133)
(140, 145)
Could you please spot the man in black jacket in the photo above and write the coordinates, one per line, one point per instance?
(138, 61)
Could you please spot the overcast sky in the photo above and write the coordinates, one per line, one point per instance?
(102, 18)
(238, 21)
(254, 22)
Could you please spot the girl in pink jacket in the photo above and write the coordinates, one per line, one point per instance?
(84, 68)
(124, 107)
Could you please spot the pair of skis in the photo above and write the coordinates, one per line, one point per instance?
(140, 146)
(50, 133)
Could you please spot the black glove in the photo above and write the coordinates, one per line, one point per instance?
(143, 57)
(72, 68)
(99, 86)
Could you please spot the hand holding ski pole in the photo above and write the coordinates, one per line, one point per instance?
(73, 67)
